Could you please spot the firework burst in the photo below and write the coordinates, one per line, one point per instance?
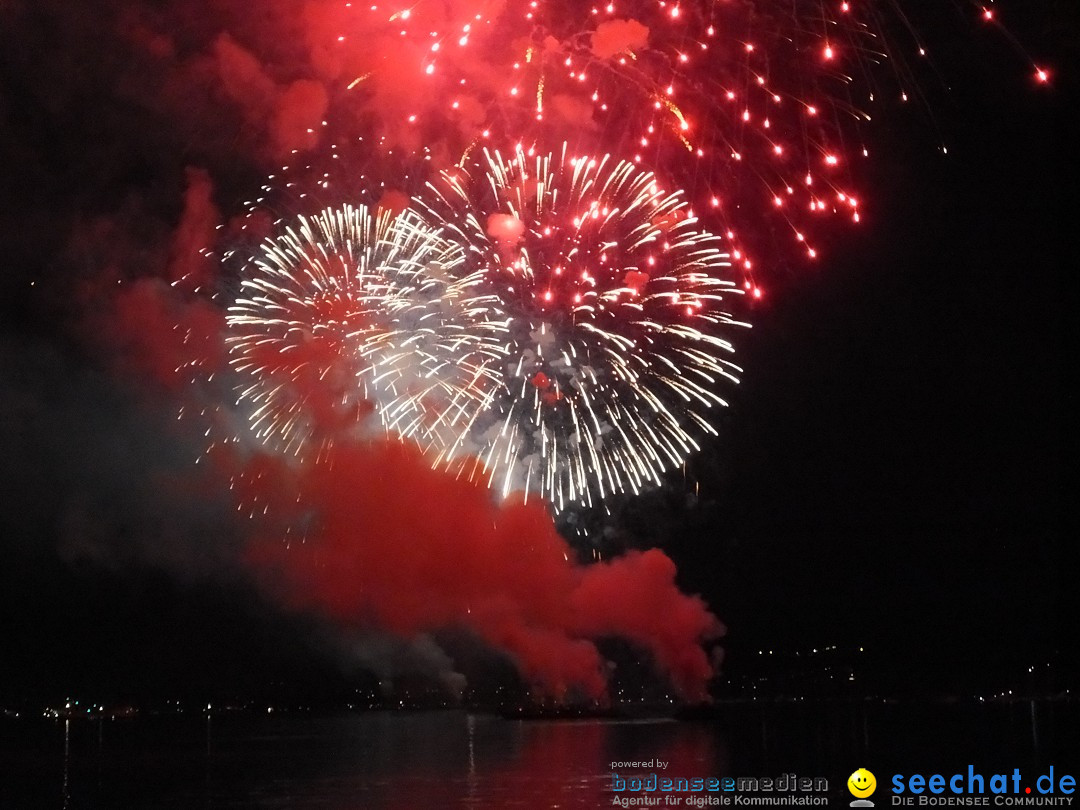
(347, 310)
(612, 308)
(761, 111)
(755, 107)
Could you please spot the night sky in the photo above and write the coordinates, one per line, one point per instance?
(890, 474)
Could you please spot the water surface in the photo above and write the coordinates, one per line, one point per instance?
(403, 760)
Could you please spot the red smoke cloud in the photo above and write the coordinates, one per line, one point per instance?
(400, 546)
(151, 334)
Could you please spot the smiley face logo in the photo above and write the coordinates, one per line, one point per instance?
(861, 783)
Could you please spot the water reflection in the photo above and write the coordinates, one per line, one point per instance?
(528, 764)
(65, 790)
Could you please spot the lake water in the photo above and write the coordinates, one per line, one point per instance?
(404, 761)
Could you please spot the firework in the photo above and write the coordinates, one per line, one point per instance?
(554, 325)
(760, 111)
(612, 310)
(344, 311)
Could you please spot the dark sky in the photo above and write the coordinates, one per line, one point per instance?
(892, 473)
(899, 459)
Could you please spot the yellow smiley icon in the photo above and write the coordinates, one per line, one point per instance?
(861, 783)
